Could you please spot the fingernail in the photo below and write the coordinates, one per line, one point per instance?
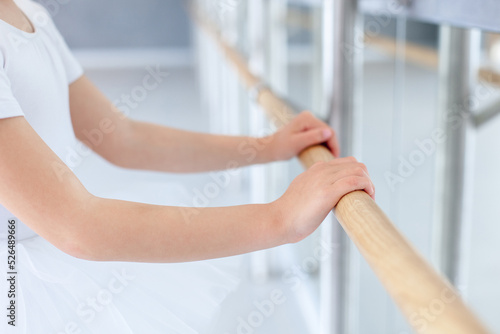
(327, 134)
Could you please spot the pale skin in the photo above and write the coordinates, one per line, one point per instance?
(59, 208)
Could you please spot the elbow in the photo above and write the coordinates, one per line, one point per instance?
(115, 154)
(119, 158)
(75, 248)
(88, 244)
(111, 145)
(78, 236)
(81, 249)
(77, 245)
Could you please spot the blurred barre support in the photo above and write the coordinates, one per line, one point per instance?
(453, 172)
(259, 175)
(342, 50)
(412, 283)
(333, 272)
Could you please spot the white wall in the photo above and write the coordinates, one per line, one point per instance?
(121, 23)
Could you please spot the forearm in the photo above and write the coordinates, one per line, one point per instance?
(154, 147)
(125, 231)
(131, 144)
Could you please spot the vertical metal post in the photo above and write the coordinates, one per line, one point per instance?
(465, 242)
(276, 46)
(230, 79)
(276, 73)
(256, 13)
(344, 72)
(342, 67)
(330, 285)
(317, 60)
(453, 169)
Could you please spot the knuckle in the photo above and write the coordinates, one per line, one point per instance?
(323, 191)
(304, 114)
(319, 135)
(359, 170)
(318, 165)
(352, 181)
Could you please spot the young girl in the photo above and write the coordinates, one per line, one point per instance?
(57, 280)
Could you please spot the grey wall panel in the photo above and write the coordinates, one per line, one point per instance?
(121, 23)
(483, 14)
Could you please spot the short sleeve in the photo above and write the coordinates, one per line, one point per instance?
(9, 107)
(72, 67)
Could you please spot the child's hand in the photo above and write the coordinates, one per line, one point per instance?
(314, 193)
(303, 131)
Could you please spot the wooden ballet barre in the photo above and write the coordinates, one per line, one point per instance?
(490, 75)
(428, 301)
(425, 56)
(415, 53)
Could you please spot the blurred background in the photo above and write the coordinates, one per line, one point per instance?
(122, 24)
(388, 74)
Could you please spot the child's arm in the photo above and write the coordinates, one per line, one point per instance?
(43, 193)
(140, 145)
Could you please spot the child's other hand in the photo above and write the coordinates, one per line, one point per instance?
(303, 131)
(314, 193)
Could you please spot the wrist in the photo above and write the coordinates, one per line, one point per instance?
(279, 223)
(263, 148)
(268, 153)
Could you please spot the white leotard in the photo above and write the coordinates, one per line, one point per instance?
(56, 293)
(36, 70)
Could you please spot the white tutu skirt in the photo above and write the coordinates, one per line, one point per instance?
(59, 294)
